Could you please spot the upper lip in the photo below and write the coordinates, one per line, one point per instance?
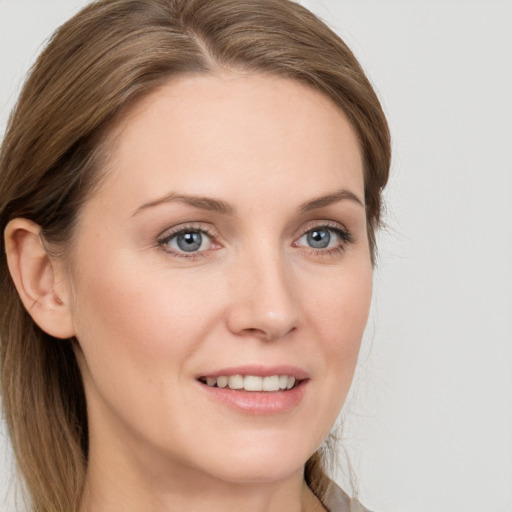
(259, 370)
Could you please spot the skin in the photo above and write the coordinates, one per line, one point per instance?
(150, 318)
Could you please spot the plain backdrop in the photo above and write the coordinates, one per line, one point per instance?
(429, 425)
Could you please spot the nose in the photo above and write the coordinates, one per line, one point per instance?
(263, 299)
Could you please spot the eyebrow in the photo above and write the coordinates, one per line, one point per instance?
(322, 201)
(219, 206)
(203, 203)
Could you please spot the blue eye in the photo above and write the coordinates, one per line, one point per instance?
(324, 237)
(318, 238)
(188, 241)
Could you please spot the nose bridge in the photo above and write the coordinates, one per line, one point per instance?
(264, 301)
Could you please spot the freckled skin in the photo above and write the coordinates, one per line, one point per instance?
(150, 319)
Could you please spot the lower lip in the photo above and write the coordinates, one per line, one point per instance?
(258, 402)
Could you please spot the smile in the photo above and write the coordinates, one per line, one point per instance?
(256, 389)
(271, 383)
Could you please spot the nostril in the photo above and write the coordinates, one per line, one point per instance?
(256, 333)
(264, 334)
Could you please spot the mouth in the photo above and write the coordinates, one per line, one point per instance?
(253, 383)
(256, 389)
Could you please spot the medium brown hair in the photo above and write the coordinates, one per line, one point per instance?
(94, 67)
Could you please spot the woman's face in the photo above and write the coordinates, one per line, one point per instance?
(226, 247)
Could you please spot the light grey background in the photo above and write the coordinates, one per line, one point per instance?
(429, 428)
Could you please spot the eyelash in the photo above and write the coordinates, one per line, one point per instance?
(343, 234)
(345, 237)
(191, 228)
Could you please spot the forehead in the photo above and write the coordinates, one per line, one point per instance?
(233, 134)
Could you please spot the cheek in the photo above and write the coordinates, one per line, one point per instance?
(338, 316)
(342, 307)
(136, 325)
(134, 301)
(137, 331)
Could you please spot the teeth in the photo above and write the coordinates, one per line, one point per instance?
(291, 383)
(271, 383)
(235, 382)
(222, 382)
(252, 382)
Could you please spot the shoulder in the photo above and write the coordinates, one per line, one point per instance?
(337, 500)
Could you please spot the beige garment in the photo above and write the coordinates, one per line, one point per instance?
(337, 500)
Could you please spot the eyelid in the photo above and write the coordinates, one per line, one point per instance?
(199, 227)
(326, 224)
(345, 236)
(202, 227)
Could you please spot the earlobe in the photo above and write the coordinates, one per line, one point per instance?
(38, 279)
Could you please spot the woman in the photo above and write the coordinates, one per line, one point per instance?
(189, 196)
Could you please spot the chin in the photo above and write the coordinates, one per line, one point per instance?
(258, 462)
(250, 472)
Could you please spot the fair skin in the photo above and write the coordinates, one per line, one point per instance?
(227, 238)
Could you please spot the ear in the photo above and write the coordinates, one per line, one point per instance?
(39, 279)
